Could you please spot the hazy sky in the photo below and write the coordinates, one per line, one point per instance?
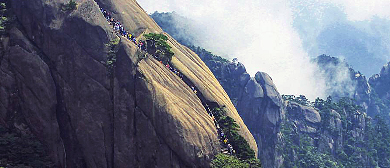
(280, 36)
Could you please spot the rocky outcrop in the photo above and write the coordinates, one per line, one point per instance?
(306, 119)
(326, 132)
(259, 104)
(379, 103)
(343, 81)
(381, 82)
(257, 101)
(55, 83)
(261, 107)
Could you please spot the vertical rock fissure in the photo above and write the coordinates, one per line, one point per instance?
(2, 48)
(135, 117)
(105, 149)
(171, 158)
(14, 98)
(63, 146)
(68, 137)
(112, 121)
(135, 103)
(113, 51)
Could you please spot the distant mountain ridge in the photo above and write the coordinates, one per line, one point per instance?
(371, 94)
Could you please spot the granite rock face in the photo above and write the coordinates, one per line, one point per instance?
(262, 109)
(380, 83)
(55, 83)
(258, 103)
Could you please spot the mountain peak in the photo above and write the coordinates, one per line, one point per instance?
(95, 99)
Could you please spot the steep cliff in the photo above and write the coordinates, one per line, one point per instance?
(256, 98)
(261, 107)
(56, 79)
(257, 101)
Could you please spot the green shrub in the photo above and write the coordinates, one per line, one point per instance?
(157, 45)
(207, 56)
(70, 6)
(230, 128)
(300, 100)
(228, 161)
(3, 17)
(21, 150)
(371, 151)
(112, 48)
(3, 22)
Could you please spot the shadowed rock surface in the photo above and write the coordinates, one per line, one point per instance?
(380, 83)
(257, 101)
(261, 107)
(54, 77)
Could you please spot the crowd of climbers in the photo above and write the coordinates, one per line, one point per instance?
(174, 70)
(221, 135)
(120, 30)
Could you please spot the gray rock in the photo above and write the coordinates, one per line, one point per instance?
(269, 87)
(259, 104)
(254, 90)
(312, 115)
(55, 82)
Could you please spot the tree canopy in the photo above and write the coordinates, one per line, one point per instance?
(157, 45)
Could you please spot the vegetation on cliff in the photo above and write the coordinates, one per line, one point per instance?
(158, 46)
(166, 21)
(3, 16)
(363, 141)
(228, 161)
(6, 16)
(70, 6)
(112, 48)
(18, 147)
(21, 150)
(244, 156)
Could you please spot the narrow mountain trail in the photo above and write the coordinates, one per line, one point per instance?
(120, 31)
